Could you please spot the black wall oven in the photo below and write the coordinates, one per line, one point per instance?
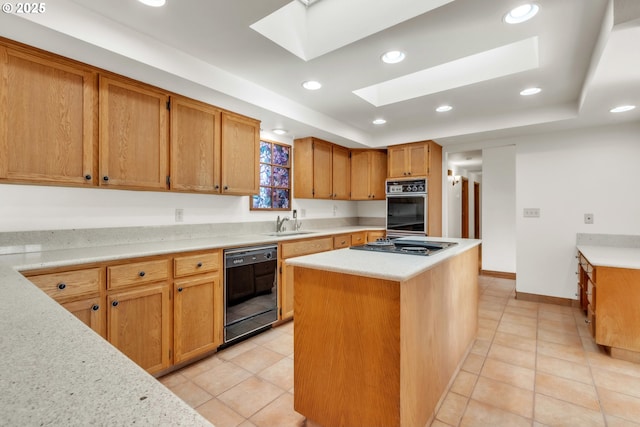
(250, 290)
(407, 209)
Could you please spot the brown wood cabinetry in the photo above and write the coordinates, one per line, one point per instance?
(240, 154)
(197, 307)
(195, 146)
(79, 291)
(372, 236)
(609, 296)
(368, 174)
(321, 170)
(134, 135)
(139, 312)
(47, 119)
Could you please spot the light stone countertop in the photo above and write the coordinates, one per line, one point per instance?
(54, 370)
(380, 265)
(611, 256)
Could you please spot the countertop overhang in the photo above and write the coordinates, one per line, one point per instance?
(611, 256)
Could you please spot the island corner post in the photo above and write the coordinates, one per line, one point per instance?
(376, 352)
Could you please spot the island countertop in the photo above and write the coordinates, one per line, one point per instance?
(381, 265)
(611, 256)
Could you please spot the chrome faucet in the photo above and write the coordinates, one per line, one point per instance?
(280, 224)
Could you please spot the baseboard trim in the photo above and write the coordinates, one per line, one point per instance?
(498, 274)
(567, 302)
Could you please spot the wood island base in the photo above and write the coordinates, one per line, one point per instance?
(376, 352)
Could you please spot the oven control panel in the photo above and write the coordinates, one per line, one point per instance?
(410, 186)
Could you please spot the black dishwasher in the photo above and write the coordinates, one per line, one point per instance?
(250, 290)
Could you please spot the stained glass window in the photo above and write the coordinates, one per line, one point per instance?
(275, 177)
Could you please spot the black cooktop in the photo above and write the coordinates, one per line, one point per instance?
(405, 246)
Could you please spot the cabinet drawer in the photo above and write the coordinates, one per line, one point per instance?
(195, 264)
(372, 236)
(343, 241)
(137, 273)
(591, 293)
(305, 247)
(68, 284)
(359, 238)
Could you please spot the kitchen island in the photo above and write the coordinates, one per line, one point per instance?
(379, 336)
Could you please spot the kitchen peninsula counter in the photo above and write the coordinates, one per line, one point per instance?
(379, 336)
(54, 369)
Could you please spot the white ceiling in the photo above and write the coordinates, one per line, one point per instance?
(587, 61)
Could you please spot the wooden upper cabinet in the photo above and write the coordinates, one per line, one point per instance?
(368, 174)
(134, 134)
(321, 170)
(240, 154)
(195, 146)
(47, 119)
(409, 160)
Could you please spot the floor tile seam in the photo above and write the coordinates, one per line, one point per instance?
(265, 405)
(464, 410)
(505, 382)
(531, 418)
(572, 402)
(268, 381)
(222, 403)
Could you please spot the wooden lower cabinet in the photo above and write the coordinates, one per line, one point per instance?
(91, 311)
(196, 329)
(372, 236)
(139, 325)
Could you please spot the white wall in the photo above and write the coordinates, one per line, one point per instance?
(498, 209)
(30, 207)
(566, 175)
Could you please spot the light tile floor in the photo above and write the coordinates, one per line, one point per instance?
(532, 364)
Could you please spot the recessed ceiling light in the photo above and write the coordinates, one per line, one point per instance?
(521, 13)
(622, 108)
(530, 91)
(444, 108)
(279, 131)
(379, 121)
(393, 57)
(153, 3)
(311, 85)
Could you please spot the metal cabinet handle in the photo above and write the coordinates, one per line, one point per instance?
(105, 178)
(179, 289)
(141, 274)
(95, 307)
(587, 321)
(87, 177)
(199, 265)
(61, 286)
(217, 187)
(226, 187)
(114, 304)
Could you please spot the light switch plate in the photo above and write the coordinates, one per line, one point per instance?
(588, 218)
(179, 215)
(531, 212)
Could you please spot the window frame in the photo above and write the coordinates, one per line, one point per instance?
(274, 187)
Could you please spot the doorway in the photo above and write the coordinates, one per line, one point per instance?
(465, 208)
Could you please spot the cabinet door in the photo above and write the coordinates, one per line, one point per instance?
(303, 168)
(133, 135)
(377, 175)
(341, 173)
(240, 154)
(360, 175)
(47, 120)
(418, 159)
(195, 146)
(286, 291)
(139, 323)
(322, 170)
(91, 311)
(196, 329)
(396, 162)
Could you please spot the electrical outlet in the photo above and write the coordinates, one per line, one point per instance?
(531, 212)
(179, 215)
(588, 218)
(295, 213)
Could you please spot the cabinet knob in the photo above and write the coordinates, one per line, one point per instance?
(87, 177)
(587, 321)
(105, 178)
(61, 286)
(141, 274)
(179, 289)
(114, 304)
(95, 307)
(199, 265)
(217, 187)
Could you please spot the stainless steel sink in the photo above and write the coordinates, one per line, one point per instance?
(288, 233)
